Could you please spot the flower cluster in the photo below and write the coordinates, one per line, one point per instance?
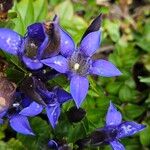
(47, 45)
(113, 131)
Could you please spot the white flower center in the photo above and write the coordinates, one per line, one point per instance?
(76, 66)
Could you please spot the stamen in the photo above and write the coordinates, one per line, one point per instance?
(31, 48)
(76, 66)
(79, 64)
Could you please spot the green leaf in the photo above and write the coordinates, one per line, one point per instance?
(75, 133)
(7, 24)
(15, 75)
(126, 93)
(145, 136)
(3, 146)
(144, 44)
(124, 55)
(64, 10)
(15, 144)
(42, 131)
(19, 25)
(143, 40)
(26, 11)
(40, 10)
(145, 80)
(113, 88)
(133, 111)
(113, 29)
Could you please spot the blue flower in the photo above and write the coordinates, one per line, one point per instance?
(115, 130)
(10, 106)
(41, 41)
(53, 101)
(18, 122)
(77, 63)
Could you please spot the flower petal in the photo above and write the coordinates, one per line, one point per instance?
(21, 124)
(29, 86)
(94, 26)
(62, 95)
(117, 145)
(67, 45)
(42, 47)
(91, 43)
(36, 31)
(53, 144)
(113, 116)
(104, 68)
(53, 113)
(1, 121)
(59, 63)
(79, 88)
(129, 128)
(10, 41)
(2, 114)
(32, 64)
(25, 101)
(32, 110)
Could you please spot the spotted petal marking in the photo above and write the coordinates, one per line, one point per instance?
(10, 41)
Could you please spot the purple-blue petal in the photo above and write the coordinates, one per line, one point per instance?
(129, 128)
(78, 89)
(62, 95)
(42, 47)
(104, 68)
(53, 144)
(26, 101)
(2, 114)
(1, 121)
(32, 110)
(53, 113)
(10, 41)
(36, 31)
(59, 63)
(32, 64)
(67, 45)
(45, 93)
(21, 124)
(91, 43)
(113, 116)
(116, 145)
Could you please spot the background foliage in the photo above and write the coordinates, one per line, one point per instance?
(125, 42)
